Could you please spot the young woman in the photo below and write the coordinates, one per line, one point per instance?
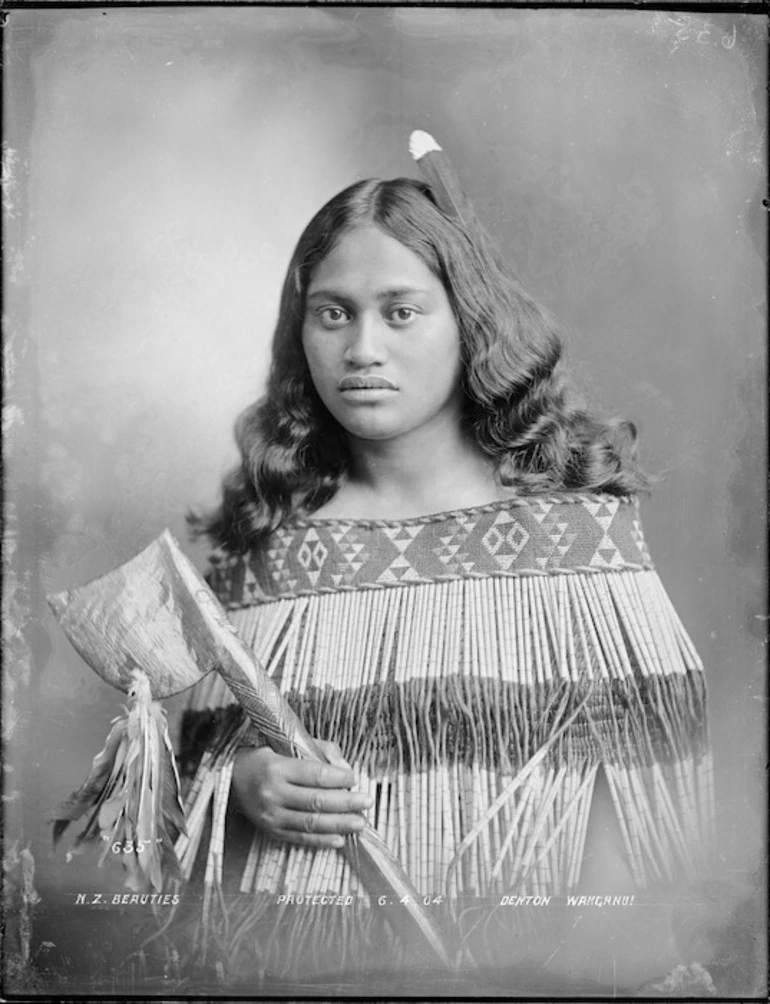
(437, 554)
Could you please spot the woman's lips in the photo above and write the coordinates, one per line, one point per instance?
(366, 383)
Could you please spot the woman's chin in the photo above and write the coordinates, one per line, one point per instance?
(371, 429)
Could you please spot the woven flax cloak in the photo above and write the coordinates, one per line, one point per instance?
(477, 667)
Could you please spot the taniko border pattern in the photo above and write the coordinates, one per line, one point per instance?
(539, 535)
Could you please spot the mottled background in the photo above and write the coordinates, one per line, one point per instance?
(160, 165)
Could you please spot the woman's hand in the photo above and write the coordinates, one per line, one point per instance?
(299, 801)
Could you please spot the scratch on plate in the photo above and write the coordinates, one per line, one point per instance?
(9, 181)
(558, 948)
(29, 899)
(12, 415)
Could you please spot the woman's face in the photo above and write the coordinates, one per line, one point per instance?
(381, 339)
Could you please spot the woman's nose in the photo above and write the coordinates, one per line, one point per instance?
(366, 345)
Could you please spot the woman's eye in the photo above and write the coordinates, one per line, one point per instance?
(403, 315)
(333, 317)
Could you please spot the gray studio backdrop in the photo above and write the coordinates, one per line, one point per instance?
(160, 164)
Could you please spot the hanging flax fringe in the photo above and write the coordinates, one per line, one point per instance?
(593, 669)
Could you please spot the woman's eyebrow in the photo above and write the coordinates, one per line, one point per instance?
(329, 294)
(390, 294)
(385, 294)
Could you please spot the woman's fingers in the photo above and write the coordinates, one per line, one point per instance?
(303, 839)
(321, 788)
(300, 801)
(323, 800)
(312, 774)
(289, 821)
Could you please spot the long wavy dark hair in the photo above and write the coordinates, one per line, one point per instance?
(518, 405)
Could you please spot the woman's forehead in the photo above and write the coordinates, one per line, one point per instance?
(367, 256)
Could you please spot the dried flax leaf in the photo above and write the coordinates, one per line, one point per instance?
(522, 776)
(95, 787)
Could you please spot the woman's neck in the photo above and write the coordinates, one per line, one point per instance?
(412, 477)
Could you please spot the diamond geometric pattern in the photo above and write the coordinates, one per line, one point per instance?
(513, 537)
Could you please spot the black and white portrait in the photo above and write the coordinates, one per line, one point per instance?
(436, 338)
